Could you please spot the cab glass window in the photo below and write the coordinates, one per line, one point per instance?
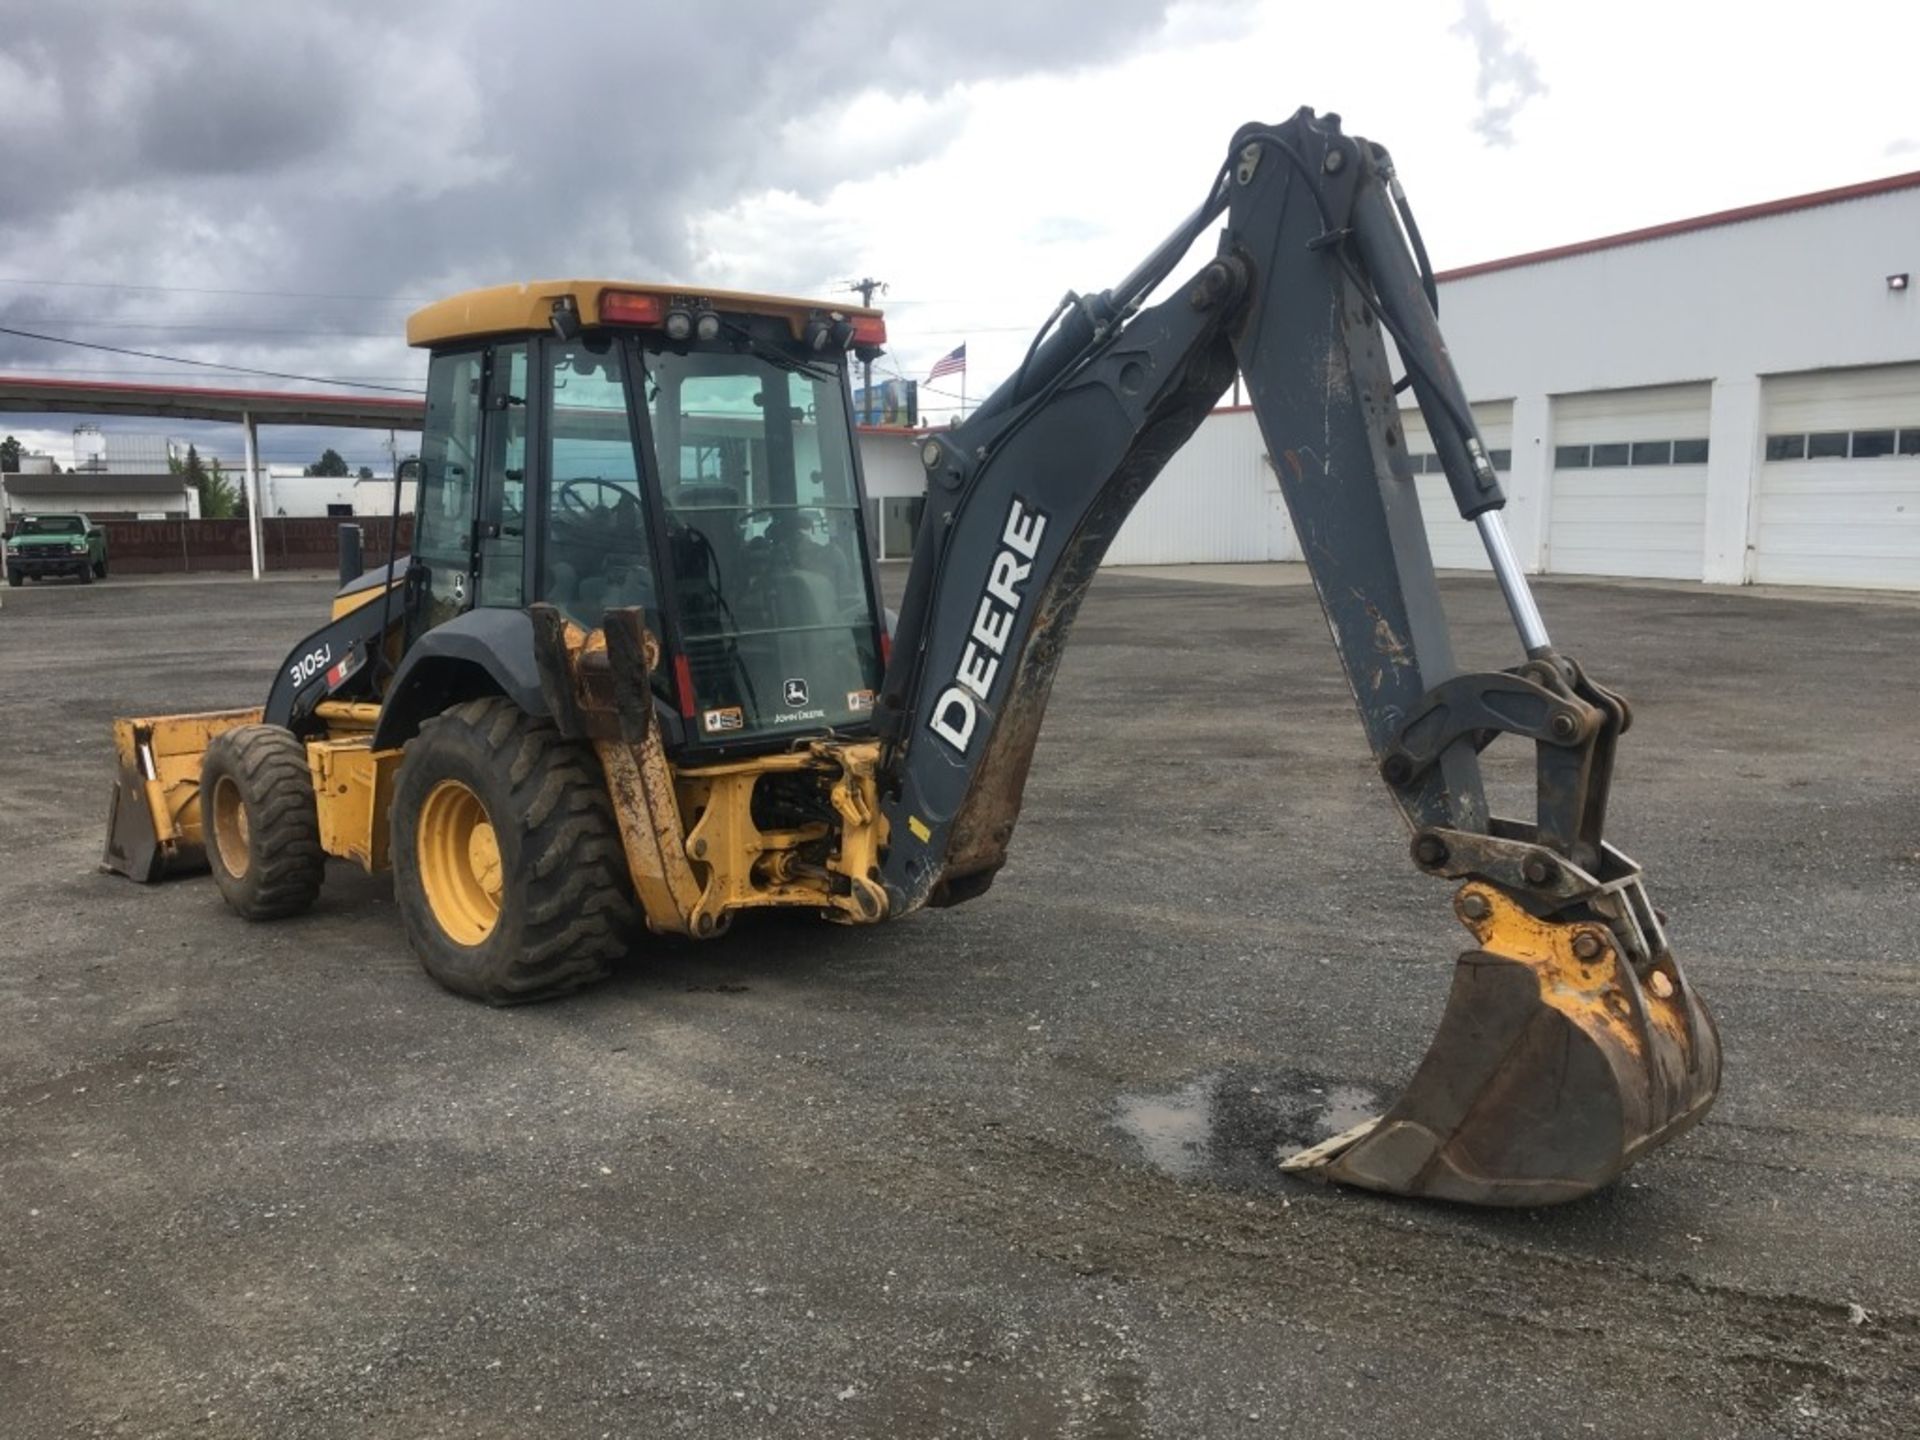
(764, 540)
(502, 530)
(596, 553)
(449, 458)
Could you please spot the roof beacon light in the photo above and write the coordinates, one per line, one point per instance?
(869, 330)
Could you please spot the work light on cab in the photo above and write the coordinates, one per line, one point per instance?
(829, 332)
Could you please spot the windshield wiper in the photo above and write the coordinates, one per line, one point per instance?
(781, 360)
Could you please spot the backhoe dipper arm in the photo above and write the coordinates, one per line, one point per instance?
(1312, 276)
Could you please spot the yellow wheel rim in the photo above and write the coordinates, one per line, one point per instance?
(460, 867)
(230, 827)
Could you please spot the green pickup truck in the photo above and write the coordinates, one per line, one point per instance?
(43, 545)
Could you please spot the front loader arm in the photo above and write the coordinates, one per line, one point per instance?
(1312, 278)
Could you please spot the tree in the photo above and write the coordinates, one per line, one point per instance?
(216, 492)
(366, 472)
(10, 456)
(329, 463)
(221, 494)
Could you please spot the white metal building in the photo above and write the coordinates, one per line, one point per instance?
(896, 488)
(102, 496)
(1733, 398)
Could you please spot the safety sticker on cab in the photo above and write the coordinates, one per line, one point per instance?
(729, 717)
(860, 701)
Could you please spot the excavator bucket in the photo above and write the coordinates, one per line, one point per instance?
(153, 823)
(1556, 1066)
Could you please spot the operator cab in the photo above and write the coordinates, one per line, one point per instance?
(606, 445)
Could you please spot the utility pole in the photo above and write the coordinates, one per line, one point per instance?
(866, 286)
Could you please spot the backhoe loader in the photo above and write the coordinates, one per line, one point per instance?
(636, 669)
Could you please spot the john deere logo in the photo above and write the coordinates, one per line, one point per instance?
(796, 694)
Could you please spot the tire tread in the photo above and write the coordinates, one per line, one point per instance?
(286, 862)
(579, 913)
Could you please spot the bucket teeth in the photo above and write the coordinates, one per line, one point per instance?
(1315, 1157)
(1555, 1067)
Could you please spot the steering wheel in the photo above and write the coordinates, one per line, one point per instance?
(570, 499)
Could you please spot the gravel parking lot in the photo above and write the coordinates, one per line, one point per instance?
(1004, 1170)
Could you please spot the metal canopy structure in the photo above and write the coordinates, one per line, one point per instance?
(249, 409)
(52, 394)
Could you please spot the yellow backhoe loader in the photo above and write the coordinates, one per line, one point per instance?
(636, 670)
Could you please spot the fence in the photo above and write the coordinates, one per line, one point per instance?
(152, 547)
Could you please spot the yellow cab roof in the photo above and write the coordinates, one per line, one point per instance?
(528, 307)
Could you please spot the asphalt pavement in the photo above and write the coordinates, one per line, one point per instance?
(1001, 1170)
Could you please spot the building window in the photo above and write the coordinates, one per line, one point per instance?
(1689, 452)
(1652, 452)
(1611, 454)
(1842, 444)
(1502, 459)
(1571, 457)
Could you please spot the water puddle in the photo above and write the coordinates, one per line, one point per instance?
(1234, 1126)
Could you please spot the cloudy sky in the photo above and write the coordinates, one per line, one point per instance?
(277, 185)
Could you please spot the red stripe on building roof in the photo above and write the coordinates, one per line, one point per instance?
(1761, 211)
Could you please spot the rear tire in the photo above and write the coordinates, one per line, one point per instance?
(260, 821)
(507, 861)
(16, 579)
(100, 570)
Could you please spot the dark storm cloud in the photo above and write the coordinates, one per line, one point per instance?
(355, 148)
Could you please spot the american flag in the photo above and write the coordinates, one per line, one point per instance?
(948, 364)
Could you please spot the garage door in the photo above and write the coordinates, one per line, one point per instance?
(1629, 488)
(1839, 496)
(1455, 543)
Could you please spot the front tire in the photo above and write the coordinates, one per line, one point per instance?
(507, 862)
(100, 569)
(261, 823)
(16, 579)
(85, 572)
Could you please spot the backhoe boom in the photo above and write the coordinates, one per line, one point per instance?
(1312, 277)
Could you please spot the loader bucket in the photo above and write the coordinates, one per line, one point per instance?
(1555, 1067)
(153, 822)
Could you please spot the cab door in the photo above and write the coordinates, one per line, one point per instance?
(469, 541)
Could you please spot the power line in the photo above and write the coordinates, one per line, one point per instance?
(221, 328)
(203, 364)
(118, 372)
(211, 290)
